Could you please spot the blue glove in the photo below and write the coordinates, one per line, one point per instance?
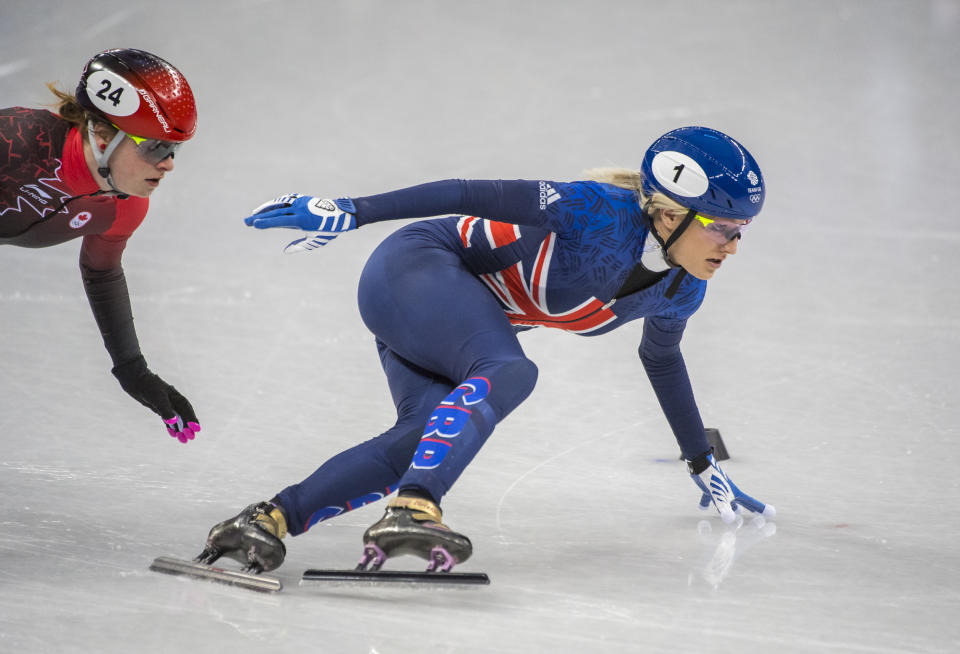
(326, 218)
(719, 490)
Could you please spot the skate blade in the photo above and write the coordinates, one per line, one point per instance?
(398, 576)
(173, 566)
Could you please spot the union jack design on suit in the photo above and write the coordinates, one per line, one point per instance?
(524, 296)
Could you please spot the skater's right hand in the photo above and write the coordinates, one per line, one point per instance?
(325, 217)
(719, 490)
(160, 397)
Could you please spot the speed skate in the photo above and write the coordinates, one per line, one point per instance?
(368, 570)
(410, 525)
(199, 570)
(399, 576)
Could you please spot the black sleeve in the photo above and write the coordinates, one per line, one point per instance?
(106, 288)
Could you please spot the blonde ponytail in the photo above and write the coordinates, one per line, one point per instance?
(623, 177)
(632, 180)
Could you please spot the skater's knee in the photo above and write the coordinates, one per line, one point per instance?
(523, 373)
(512, 382)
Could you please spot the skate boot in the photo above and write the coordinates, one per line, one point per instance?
(253, 538)
(412, 525)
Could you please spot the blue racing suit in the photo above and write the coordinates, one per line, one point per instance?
(445, 299)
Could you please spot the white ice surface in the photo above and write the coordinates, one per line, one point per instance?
(826, 351)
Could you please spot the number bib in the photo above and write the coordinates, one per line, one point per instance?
(112, 94)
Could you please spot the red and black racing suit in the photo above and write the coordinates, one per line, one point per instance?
(48, 196)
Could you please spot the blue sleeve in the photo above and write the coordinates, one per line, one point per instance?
(514, 201)
(663, 362)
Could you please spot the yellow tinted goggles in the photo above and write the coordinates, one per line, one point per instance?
(723, 232)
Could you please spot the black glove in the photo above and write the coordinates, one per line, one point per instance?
(158, 396)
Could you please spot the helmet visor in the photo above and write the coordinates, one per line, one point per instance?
(153, 151)
(721, 232)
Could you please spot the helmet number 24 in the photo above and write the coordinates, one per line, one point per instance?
(115, 96)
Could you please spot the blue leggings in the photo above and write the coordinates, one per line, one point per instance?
(454, 367)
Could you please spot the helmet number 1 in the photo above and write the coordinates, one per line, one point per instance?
(105, 94)
(669, 166)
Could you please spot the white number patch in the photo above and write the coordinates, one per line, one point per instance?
(679, 174)
(112, 94)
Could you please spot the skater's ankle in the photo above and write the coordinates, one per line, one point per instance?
(278, 514)
(420, 509)
(420, 493)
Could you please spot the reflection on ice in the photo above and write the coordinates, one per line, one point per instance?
(722, 548)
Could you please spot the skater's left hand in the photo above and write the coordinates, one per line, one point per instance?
(719, 490)
(327, 218)
(160, 397)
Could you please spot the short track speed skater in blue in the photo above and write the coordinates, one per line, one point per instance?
(446, 298)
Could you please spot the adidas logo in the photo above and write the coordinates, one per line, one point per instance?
(547, 195)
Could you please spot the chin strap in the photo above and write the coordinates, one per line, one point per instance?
(664, 247)
(680, 229)
(103, 157)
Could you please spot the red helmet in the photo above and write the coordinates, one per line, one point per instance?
(140, 93)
